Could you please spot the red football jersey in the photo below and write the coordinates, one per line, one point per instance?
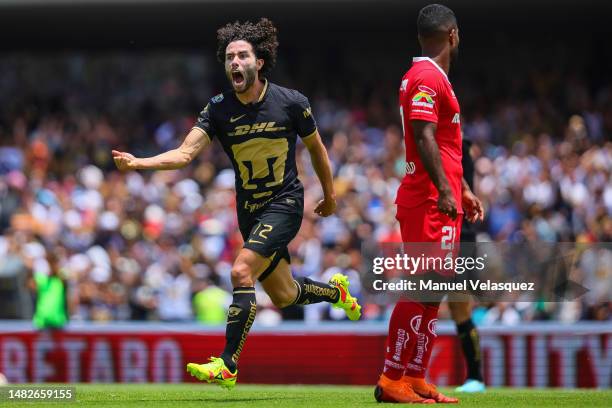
(426, 94)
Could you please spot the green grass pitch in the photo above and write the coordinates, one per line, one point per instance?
(298, 396)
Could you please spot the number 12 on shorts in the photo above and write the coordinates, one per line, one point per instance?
(448, 237)
(264, 231)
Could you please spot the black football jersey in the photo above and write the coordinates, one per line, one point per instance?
(260, 139)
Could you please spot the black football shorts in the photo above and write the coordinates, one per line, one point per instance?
(269, 231)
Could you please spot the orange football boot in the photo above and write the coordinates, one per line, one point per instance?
(388, 390)
(427, 390)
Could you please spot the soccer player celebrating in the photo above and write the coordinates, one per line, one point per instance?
(257, 124)
(430, 200)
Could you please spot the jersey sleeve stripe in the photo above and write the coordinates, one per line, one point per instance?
(203, 131)
(310, 135)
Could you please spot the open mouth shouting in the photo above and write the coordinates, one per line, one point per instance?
(238, 79)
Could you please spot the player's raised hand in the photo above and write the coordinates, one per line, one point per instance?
(124, 161)
(447, 204)
(326, 207)
(472, 206)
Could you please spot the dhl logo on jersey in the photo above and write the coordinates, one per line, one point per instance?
(255, 128)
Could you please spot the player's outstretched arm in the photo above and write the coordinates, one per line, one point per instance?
(321, 165)
(424, 135)
(177, 158)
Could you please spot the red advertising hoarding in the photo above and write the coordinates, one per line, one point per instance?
(560, 356)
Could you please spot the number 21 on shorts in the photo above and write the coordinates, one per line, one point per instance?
(448, 237)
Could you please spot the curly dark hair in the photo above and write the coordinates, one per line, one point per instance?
(261, 35)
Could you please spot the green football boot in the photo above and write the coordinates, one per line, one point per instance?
(214, 372)
(345, 301)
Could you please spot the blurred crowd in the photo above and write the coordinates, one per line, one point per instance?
(160, 245)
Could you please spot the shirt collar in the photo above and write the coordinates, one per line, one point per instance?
(261, 95)
(263, 91)
(419, 59)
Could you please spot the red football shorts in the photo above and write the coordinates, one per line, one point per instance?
(426, 232)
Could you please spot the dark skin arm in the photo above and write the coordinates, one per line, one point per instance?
(424, 136)
(470, 203)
